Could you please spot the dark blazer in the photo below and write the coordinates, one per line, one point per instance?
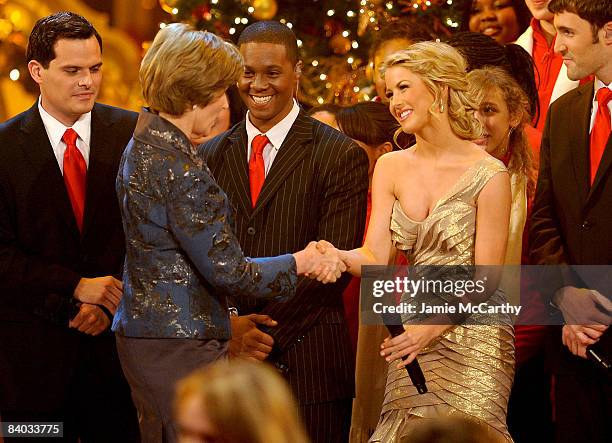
(43, 256)
(315, 189)
(182, 257)
(571, 219)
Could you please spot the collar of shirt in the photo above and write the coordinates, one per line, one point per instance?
(55, 131)
(598, 85)
(276, 134)
(539, 39)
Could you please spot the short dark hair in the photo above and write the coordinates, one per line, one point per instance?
(480, 50)
(405, 28)
(271, 32)
(596, 12)
(371, 123)
(48, 30)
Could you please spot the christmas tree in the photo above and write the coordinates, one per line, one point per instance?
(334, 36)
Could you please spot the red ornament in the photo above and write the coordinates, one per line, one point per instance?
(202, 12)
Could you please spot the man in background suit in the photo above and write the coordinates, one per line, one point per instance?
(61, 243)
(315, 187)
(572, 212)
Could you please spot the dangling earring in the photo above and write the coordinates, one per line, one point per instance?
(441, 108)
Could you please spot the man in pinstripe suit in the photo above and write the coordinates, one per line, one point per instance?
(315, 187)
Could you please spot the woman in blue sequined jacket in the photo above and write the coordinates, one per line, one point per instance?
(182, 258)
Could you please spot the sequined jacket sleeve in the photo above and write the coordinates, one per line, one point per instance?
(182, 258)
(198, 211)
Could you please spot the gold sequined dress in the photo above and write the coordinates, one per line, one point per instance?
(470, 368)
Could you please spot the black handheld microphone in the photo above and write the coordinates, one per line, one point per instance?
(414, 368)
(597, 351)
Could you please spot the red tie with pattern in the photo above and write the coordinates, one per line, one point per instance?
(257, 168)
(601, 129)
(75, 173)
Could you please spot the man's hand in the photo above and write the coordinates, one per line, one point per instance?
(90, 320)
(582, 307)
(106, 291)
(323, 264)
(248, 341)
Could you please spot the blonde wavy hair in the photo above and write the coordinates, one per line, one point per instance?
(245, 402)
(186, 67)
(482, 81)
(442, 68)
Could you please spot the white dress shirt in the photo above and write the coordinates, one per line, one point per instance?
(55, 131)
(276, 135)
(598, 85)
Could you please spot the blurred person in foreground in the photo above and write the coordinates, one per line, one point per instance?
(237, 402)
(449, 430)
(182, 257)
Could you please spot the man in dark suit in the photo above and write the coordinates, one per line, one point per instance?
(315, 187)
(572, 214)
(62, 245)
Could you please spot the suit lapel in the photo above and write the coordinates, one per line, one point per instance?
(237, 167)
(292, 151)
(579, 143)
(100, 164)
(44, 166)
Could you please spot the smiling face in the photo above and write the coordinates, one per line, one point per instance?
(495, 18)
(409, 99)
(575, 42)
(384, 50)
(495, 116)
(268, 83)
(70, 84)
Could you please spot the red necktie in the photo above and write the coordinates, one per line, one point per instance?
(601, 129)
(257, 168)
(75, 173)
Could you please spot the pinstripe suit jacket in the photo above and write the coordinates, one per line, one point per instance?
(315, 189)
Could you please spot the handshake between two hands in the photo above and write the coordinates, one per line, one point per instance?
(321, 261)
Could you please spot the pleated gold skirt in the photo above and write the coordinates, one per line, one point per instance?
(469, 373)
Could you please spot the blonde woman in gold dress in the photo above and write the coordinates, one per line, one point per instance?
(444, 201)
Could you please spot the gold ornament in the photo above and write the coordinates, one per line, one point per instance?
(264, 9)
(168, 5)
(339, 44)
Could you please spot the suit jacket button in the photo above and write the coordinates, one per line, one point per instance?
(251, 230)
(282, 368)
(586, 225)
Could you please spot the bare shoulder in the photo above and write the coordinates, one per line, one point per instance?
(396, 161)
